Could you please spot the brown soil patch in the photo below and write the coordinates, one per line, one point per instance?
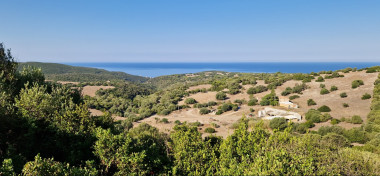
(203, 86)
(95, 112)
(90, 90)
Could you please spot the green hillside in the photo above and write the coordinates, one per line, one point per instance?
(62, 72)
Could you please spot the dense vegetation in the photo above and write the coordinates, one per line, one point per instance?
(46, 129)
(61, 72)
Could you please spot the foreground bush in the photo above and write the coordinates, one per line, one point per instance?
(278, 123)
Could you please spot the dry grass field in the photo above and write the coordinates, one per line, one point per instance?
(90, 90)
(357, 106)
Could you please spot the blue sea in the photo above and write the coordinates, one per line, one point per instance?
(160, 69)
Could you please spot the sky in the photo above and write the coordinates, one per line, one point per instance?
(192, 30)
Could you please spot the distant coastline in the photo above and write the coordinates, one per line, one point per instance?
(160, 69)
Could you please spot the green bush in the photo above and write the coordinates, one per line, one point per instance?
(324, 91)
(356, 119)
(322, 85)
(219, 112)
(293, 97)
(324, 108)
(197, 124)
(164, 120)
(177, 122)
(334, 121)
(320, 79)
(165, 112)
(311, 102)
(343, 95)
(190, 101)
(221, 96)
(313, 116)
(238, 101)
(256, 89)
(345, 105)
(215, 125)
(278, 123)
(356, 83)
(366, 96)
(287, 91)
(210, 130)
(252, 102)
(203, 111)
(333, 88)
(269, 99)
(309, 124)
(325, 117)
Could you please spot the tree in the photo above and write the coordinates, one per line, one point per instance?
(324, 91)
(311, 102)
(278, 123)
(324, 108)
(203, 111)
(270, 99)
(366, 96)
(190, 101)
(221, 96)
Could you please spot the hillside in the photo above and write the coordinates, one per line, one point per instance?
(62, 72)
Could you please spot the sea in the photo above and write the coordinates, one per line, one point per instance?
(160, 69)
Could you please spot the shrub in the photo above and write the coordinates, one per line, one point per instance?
(345, 105)
(210, 130)
(238, 101)
(324, 108)
(309, 124)
(269, 99)
(257, 89)
(320, 79)
(164, 120)
(322, 85)
(301, 128)
(219, 112)
(287, 91)
(356, 119)
(215, 125)
(251, 110)
(313, 116)
(197, 124)
(165, 112)
(177, 122)
(335, 141)
(221, 96)
(212, 103)
(343, 95)
(293, 97)
(278, 123)
(324, 91)
(325, 117)
(366, 96)
(190, 101)
(356, 83)
(252, 102)
(311, 102)
(333, 88)
(334, 121)
(203, 111)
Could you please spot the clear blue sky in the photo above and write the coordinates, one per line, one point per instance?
(191, 30)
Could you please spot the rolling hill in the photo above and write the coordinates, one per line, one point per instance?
(62, 72)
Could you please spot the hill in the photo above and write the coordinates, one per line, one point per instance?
(62, 72)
